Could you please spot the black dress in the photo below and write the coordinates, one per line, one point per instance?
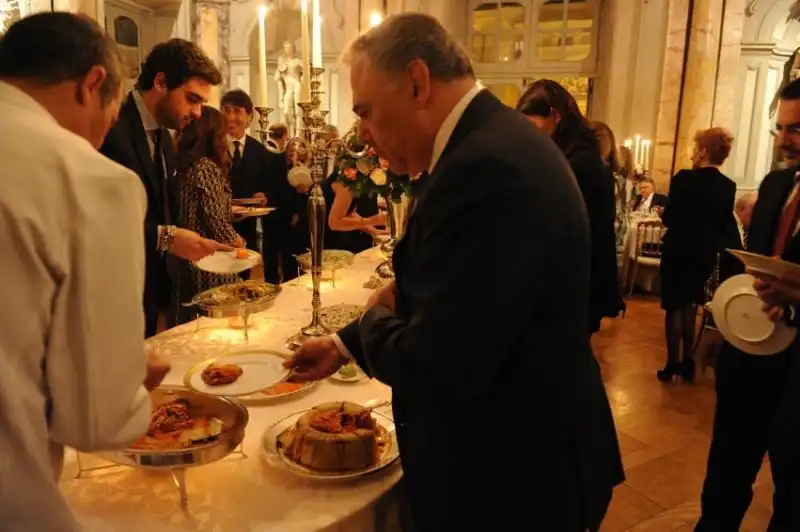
(699, 219)
(596, 182)
(354, 241)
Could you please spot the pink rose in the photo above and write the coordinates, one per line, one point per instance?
(350, 173)
(384, 164)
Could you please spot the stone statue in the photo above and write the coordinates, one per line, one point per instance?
(288, 75)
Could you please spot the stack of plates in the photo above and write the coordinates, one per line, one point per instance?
(739, 312)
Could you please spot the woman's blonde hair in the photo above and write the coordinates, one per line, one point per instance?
(716, 142)
(607, 145)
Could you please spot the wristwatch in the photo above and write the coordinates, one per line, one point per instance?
(166, 235)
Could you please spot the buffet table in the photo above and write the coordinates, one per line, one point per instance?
(244, 493)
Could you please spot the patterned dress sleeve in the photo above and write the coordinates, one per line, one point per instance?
(215, 203)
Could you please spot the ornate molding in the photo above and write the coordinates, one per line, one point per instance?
(750, 10)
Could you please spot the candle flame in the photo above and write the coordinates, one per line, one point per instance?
(262, 11)
(375, 18)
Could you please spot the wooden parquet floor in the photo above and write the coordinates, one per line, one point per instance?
(664, 430)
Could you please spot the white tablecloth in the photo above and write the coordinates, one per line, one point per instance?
(646, 278)
(240, 494)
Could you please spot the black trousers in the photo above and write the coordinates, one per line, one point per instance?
(750, 395)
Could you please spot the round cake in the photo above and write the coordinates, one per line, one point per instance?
(335, 437)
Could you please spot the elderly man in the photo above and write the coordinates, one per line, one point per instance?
(71, 347)
(496, 393)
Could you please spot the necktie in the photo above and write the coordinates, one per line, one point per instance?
(158, 162)
(237, 154)
(787, 224)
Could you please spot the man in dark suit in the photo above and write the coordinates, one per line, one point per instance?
(496, 392)
(757, 397)
(174, 83)
(648, 198)
(259, 173)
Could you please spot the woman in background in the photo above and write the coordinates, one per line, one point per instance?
(553, 110)
(699, 218)
(203, 165)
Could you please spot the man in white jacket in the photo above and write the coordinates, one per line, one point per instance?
(74, 371)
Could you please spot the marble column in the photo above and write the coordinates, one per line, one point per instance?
(724, 112)
(700, 78)
(211, 30)
(669, 99)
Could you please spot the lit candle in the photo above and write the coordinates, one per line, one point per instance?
(628, 143)
(375, 18)
(316, 37)
(637, 150)
(646, 154)
(305, 90)
(262, 55)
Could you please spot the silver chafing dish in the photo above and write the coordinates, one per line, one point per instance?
(231, 413)
(236, 300)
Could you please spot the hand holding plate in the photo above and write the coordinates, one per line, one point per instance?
(316, 359)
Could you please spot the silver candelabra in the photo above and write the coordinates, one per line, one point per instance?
(314, 143)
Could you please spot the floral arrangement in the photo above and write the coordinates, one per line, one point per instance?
(369, 175)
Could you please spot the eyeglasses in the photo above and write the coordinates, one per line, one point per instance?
(792, 130)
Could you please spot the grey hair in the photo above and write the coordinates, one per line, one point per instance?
(400, 39)
(745, 200)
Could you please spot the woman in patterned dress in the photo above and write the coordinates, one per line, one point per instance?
(203, 180)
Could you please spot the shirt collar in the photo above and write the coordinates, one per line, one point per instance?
(449, 125)
(241, 140)
(149, 123)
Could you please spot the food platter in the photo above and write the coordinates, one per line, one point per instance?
(275, 455)
(332, 260)
(236, 299)
(337, 317)
(258, 370)
(231, 413)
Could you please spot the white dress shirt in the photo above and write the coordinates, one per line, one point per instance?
(439, 144)
(232, 146)
(644, 205)
(71, 326)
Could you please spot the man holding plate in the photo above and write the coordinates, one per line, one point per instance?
(758, 397)
(495, 390)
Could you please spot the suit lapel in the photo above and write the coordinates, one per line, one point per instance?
(138, 137)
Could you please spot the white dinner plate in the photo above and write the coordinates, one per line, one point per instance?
(228, 262)
(249, 212)
(764, 264)
(300, 175)
(260, 370)
(739, 316)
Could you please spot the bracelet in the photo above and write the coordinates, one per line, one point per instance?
(166, 237)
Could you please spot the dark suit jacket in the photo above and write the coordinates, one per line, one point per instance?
(659, 200)
(597, 188)
(496, 392)
(126, 143)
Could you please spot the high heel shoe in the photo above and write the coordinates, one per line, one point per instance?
(687, 370)
(669, 372)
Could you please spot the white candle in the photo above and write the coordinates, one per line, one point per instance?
(646, 154)
(637, 150)
(628, 143)
(305, 89)
(316, 37)
(262, 55)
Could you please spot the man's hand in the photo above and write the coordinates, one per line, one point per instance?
(316, 359)
(157, 369)
(384, 296)
(193, 247)
(777, 292)
(262, 197)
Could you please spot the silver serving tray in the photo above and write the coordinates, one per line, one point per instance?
(241, 309)
(332, 260)
(234, 418)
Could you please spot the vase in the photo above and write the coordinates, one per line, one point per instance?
(397, 213)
